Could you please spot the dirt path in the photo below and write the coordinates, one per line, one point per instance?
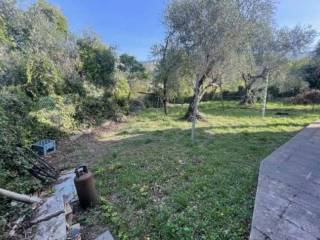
(84, 148)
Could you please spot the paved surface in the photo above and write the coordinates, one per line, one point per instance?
(287, 205)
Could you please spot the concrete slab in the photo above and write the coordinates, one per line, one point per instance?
(52, 205)
(53, 213)
(54, 225)
(53, 229)
(288, 194)
(65, 187)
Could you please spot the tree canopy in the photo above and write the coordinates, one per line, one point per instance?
(98, 61)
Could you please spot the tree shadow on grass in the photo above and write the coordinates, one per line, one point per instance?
(229, 109)
(203, 188)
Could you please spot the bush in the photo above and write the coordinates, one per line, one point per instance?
(308, 97)
(42, 76)
(153, 100)
(136, 106)
(54, 113)
(15, 132)
(23, 122)
(231, 95)
(121, 91)
(92, 110)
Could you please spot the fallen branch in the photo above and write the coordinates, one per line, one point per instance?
(40, 168)
(19, 197)
(46, 218)
(146, 93)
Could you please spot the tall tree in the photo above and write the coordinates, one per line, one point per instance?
(98, 61)
(209, 31)
(266, 52)
(54, 15)
(131, 65)
(199, 28)
(171, 60)
(310, 71)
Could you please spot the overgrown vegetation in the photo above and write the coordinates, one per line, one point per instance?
(52, 83)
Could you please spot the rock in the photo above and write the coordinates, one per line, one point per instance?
(105, 236)
(75, 232)
(68, 213)
(75, 137)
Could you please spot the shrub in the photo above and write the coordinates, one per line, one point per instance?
(90, 110)
(308, 97)
(153, 100)
(14, 132)
(54, 113)
(121, 91)
(98, 61)
(42, 76)
(136, 106)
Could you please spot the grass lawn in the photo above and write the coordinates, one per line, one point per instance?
(155, 184)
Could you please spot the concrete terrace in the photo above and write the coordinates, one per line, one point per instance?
(287, 205)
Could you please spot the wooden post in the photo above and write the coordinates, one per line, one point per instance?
(19, 197)
(194, 114)
(265, 97)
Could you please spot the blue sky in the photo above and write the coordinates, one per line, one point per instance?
(133, 26)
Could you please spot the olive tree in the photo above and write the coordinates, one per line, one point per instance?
(266, 51)
(170, 69)
(209, 31)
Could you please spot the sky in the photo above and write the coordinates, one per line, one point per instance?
(134, 26)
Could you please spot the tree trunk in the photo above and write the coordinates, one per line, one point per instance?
(193, 105)
(192, 108)
(248, 97)
(165, 108)
(249, 80)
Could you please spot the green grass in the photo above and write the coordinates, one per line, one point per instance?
(156, 185)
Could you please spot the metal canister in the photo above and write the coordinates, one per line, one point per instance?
(85, 187)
